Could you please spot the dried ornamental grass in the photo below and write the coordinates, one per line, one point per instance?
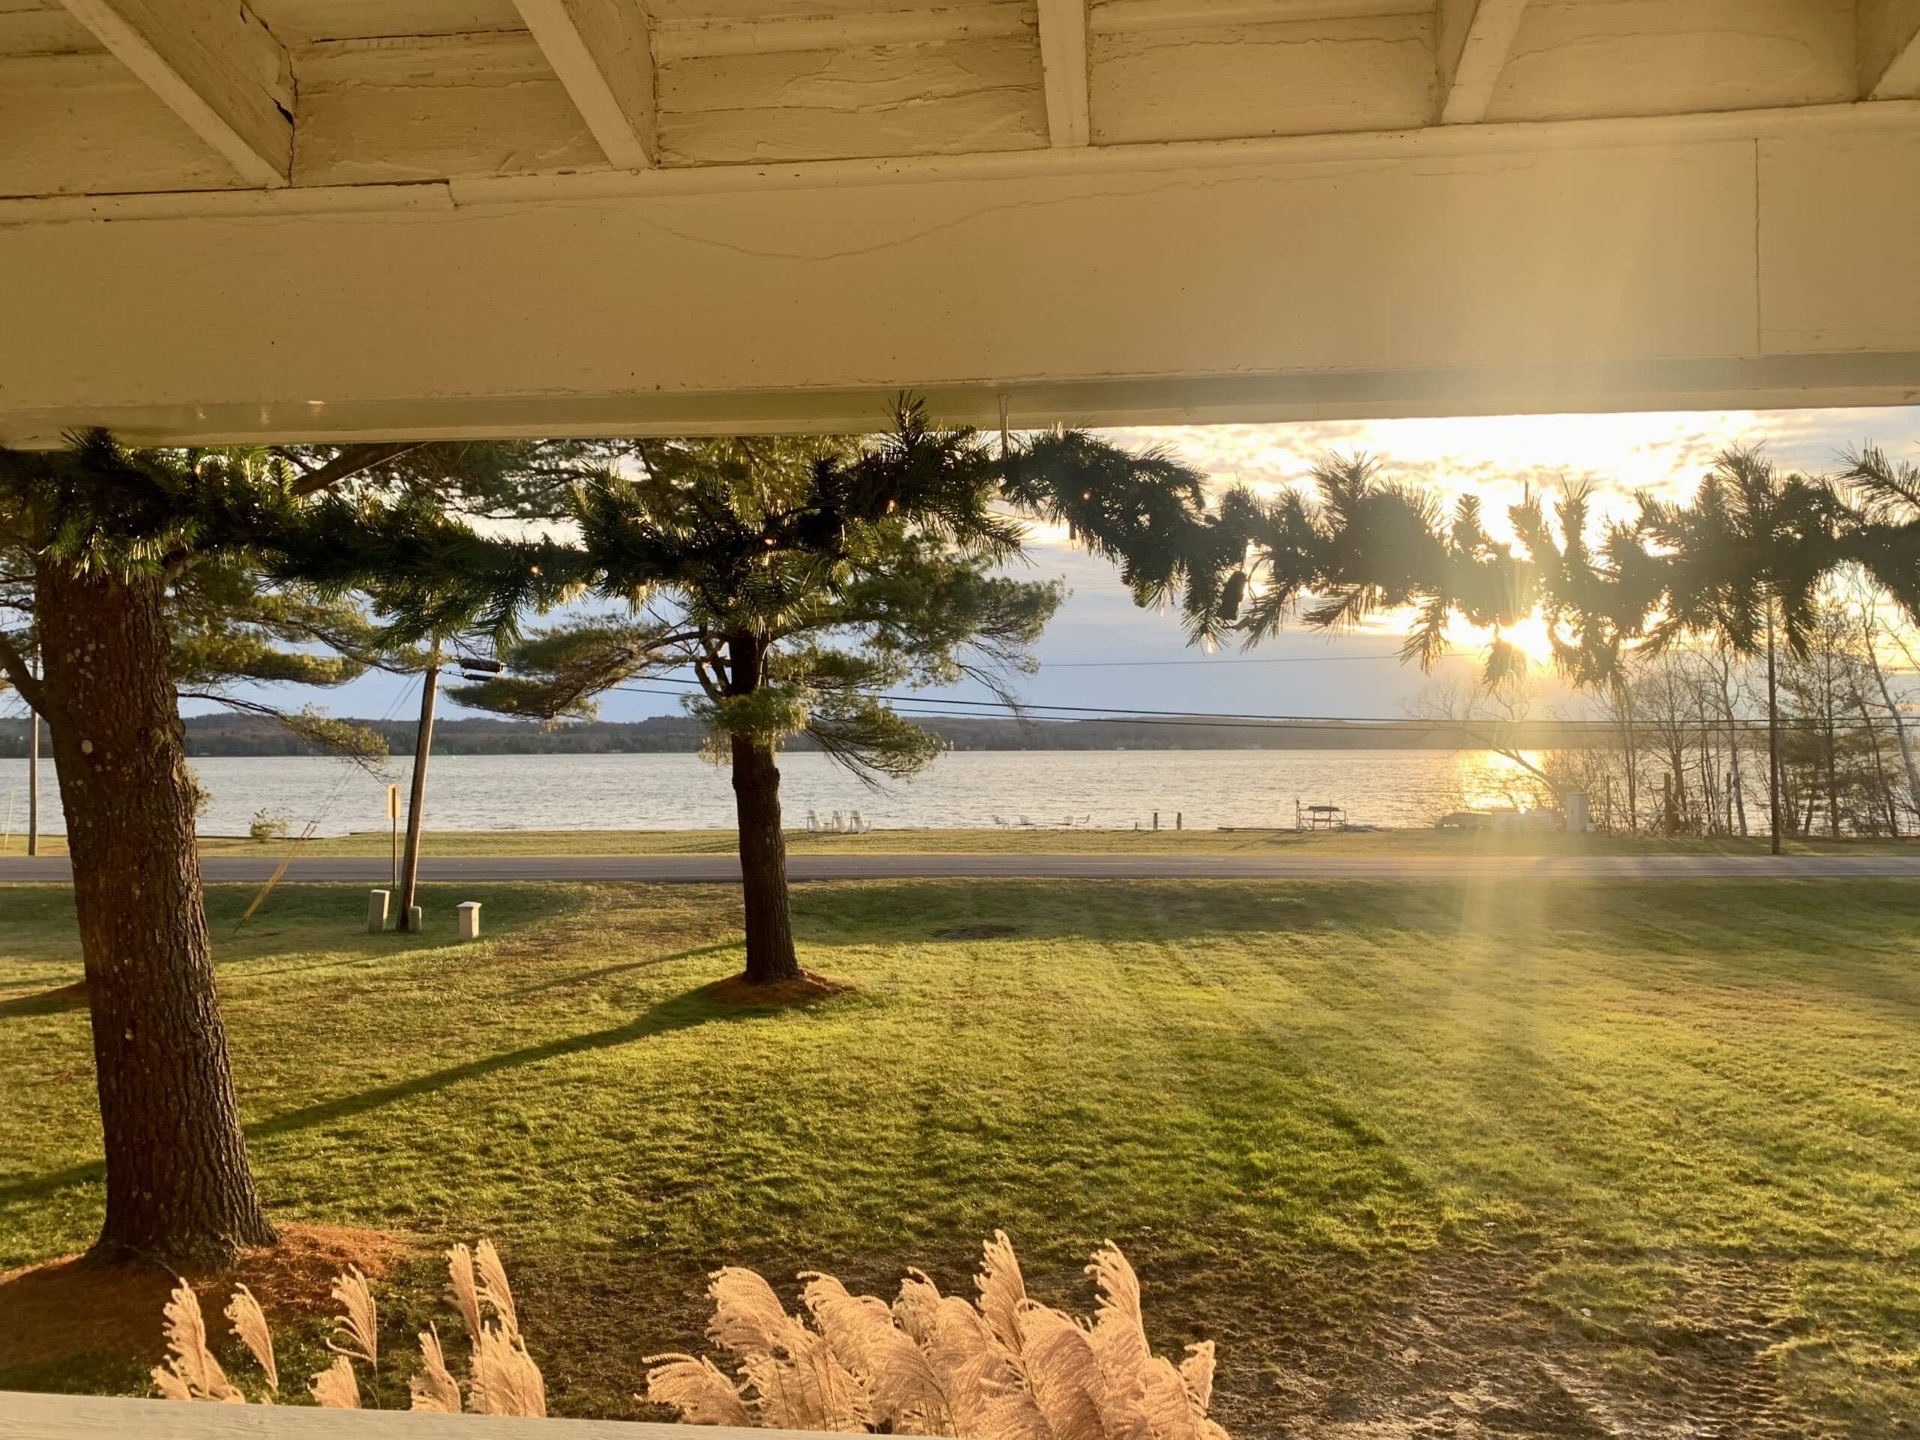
(1002, 1368)
(191, 1372)
(433, 1388)
(356, 1335)
(502, 1377)
(250, 1327)
(337, 1387)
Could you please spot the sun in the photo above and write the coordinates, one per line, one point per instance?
(1529, 636)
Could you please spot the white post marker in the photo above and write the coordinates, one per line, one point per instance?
(377, 910)
(469, 919)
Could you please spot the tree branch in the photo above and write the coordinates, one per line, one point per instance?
(351, 461)
(19, 674)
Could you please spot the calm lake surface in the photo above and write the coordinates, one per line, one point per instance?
(1105, 789)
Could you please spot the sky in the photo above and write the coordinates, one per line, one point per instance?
(1101, 651)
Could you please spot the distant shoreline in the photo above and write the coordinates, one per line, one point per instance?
(243, 736)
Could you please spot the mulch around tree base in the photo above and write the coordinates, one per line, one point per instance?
(69, 1308)
(803, 989)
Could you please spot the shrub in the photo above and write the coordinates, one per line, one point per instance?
(269, 825)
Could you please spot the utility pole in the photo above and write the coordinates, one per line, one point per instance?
(33, 781)
(1773, 737)
(422, 748)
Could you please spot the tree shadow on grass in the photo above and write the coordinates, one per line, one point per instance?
(683, 1011)
(47, 1002)
(583, 977)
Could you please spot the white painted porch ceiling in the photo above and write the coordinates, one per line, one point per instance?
(393, 91)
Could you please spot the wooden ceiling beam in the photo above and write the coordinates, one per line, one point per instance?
(1472, 41)
(216, 66)
(1892, 70)
(600, 51)
(1063, 60)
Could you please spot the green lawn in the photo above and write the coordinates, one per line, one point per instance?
(1648, 1154)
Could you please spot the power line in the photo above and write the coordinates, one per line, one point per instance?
(1235, 720)
(1264, 660)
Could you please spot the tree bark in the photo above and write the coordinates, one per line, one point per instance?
(763, 862)
(179, 1188)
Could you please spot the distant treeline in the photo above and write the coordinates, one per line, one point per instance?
(225, 734)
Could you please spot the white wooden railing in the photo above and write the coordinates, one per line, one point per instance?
(93, 1417)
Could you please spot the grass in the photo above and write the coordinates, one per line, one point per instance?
(1034, 842)
(1650, 1150)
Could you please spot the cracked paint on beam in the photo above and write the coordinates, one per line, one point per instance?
(1675, 57)
(951, 98)
(216, 66)
(1219, 82)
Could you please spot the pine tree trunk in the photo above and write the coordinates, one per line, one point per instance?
(763, 863)
(179, 1189)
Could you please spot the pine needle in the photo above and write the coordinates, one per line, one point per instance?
(250, 1327)
(336, 1387)
(433, 1387)
(191, 1372)
(357, 1331)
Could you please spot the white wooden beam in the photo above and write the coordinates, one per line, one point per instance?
(600, 51)
(1063, 59)
(1899, 77)
(1472, 40)
(216, 66)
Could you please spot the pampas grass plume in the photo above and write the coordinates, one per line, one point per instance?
(336, 1387)
(462, 1287)
(697, 1389)
(250, 1326)
(357, 1332)
(191, 1372)
(1003, 1368)
(434, 1388)
(494, 1289)
(505, 1379)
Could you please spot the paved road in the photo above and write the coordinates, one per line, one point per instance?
(444, 869)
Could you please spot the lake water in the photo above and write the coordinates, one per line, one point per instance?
(1105, 789)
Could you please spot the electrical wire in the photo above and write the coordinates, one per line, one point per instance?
(1232, 720)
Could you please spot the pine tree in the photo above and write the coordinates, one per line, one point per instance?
(129, 573)
(799, 581)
